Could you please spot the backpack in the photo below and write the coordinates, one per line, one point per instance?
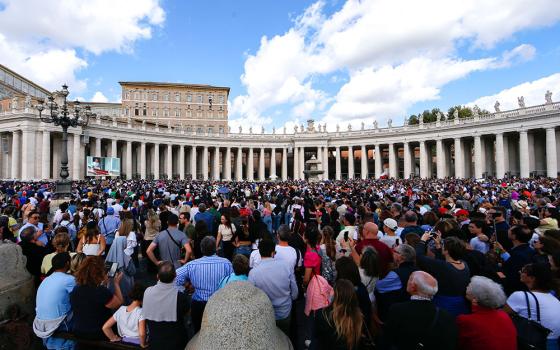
(328, 270)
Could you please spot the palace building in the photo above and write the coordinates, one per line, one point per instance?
(169, 130)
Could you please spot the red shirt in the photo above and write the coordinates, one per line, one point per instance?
(383, 251)
(486, 329)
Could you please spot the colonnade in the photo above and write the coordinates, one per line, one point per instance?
(29, 153)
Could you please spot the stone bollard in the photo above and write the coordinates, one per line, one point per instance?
(16, 284)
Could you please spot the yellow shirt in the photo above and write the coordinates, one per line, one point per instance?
(47, 262)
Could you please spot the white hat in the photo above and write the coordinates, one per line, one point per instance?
(391, 223)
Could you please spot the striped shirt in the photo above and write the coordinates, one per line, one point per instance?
(205, 275)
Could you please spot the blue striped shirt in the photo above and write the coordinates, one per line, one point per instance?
(204, 274)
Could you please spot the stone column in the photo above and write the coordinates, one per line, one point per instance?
(46, 155)
(338, 174)
(296, 163)
(76, 156)
(459, 161)
(238, 165)
(320, 158)
(423, 160)
(350, 162)
(363, 162)
(142, 160)
(551, 160)
(261, 165)
(273, 163)
(284, 164)
(477, 157)
(98, 147)
(440, 159)
(227, 165)
(193, 162)
(301, 162)
(407, 168)
(524, 154)
(28, 155)
(378, 161)
(169, 161)
(326, 163)
(114, 148)
(392, 162)
(155, 161)
(216, 164)
(250, 165)
(129, 159)
(205, 163)
(500, 161)
(16, 154)
(181, 162)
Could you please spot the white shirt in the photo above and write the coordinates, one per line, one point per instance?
(127, 322)
(287, 254)
(117, 208)
(254, 259)
(390, 241)
(226, 232)
(549, 307)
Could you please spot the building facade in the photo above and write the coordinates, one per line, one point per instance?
(522, 142)
(195, 107)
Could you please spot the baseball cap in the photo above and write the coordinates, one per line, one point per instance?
(110, 211)
(390, 223)
(462, 212)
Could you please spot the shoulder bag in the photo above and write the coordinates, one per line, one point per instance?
(531, 334)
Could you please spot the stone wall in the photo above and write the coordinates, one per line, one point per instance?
(16, 284)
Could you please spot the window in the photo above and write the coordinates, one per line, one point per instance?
(166, 96)
(199, 99)
(127, 96)
(199, 115)
(126, 112)
(144, 112)
(199, 130)
(189, 98)
(166, 112)
(177, 112)
(136, 96)
(189, 114)
(221, 99)
(154, 113)
(220, 115)
(221, 130)
(210, 130)
(136, 111)
(154, 96)
(177, 97)
(189, 129)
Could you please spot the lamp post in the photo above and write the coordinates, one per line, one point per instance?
(65, 117)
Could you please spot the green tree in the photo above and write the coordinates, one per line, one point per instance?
(464, 112)
(413, 119)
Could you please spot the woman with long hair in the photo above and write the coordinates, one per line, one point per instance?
(93, 242)
(226, 232)
(153, 226)
(91, 300)
(328, 244)
(369, 270)
(339, 326)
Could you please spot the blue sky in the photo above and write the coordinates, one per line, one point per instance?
(338, 62)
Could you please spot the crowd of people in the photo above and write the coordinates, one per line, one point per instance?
(354, 264)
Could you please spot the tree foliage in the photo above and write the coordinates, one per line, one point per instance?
(430, 116)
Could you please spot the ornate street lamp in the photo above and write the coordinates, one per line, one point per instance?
(65, 117)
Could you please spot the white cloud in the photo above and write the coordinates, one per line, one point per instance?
(395, 53)
(533, 93)
(40, 38)
(99, 97)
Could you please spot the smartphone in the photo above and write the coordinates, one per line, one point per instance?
(113, 270)
(346, 236)
(40, 225)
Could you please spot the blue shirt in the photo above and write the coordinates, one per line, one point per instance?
(53, 296)
(107, 226)
(388, 284)
(206, 217)
(276, 279)
(205, 274)
(232, 278)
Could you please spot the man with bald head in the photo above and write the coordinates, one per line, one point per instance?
(419, 321)
(370, 238)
